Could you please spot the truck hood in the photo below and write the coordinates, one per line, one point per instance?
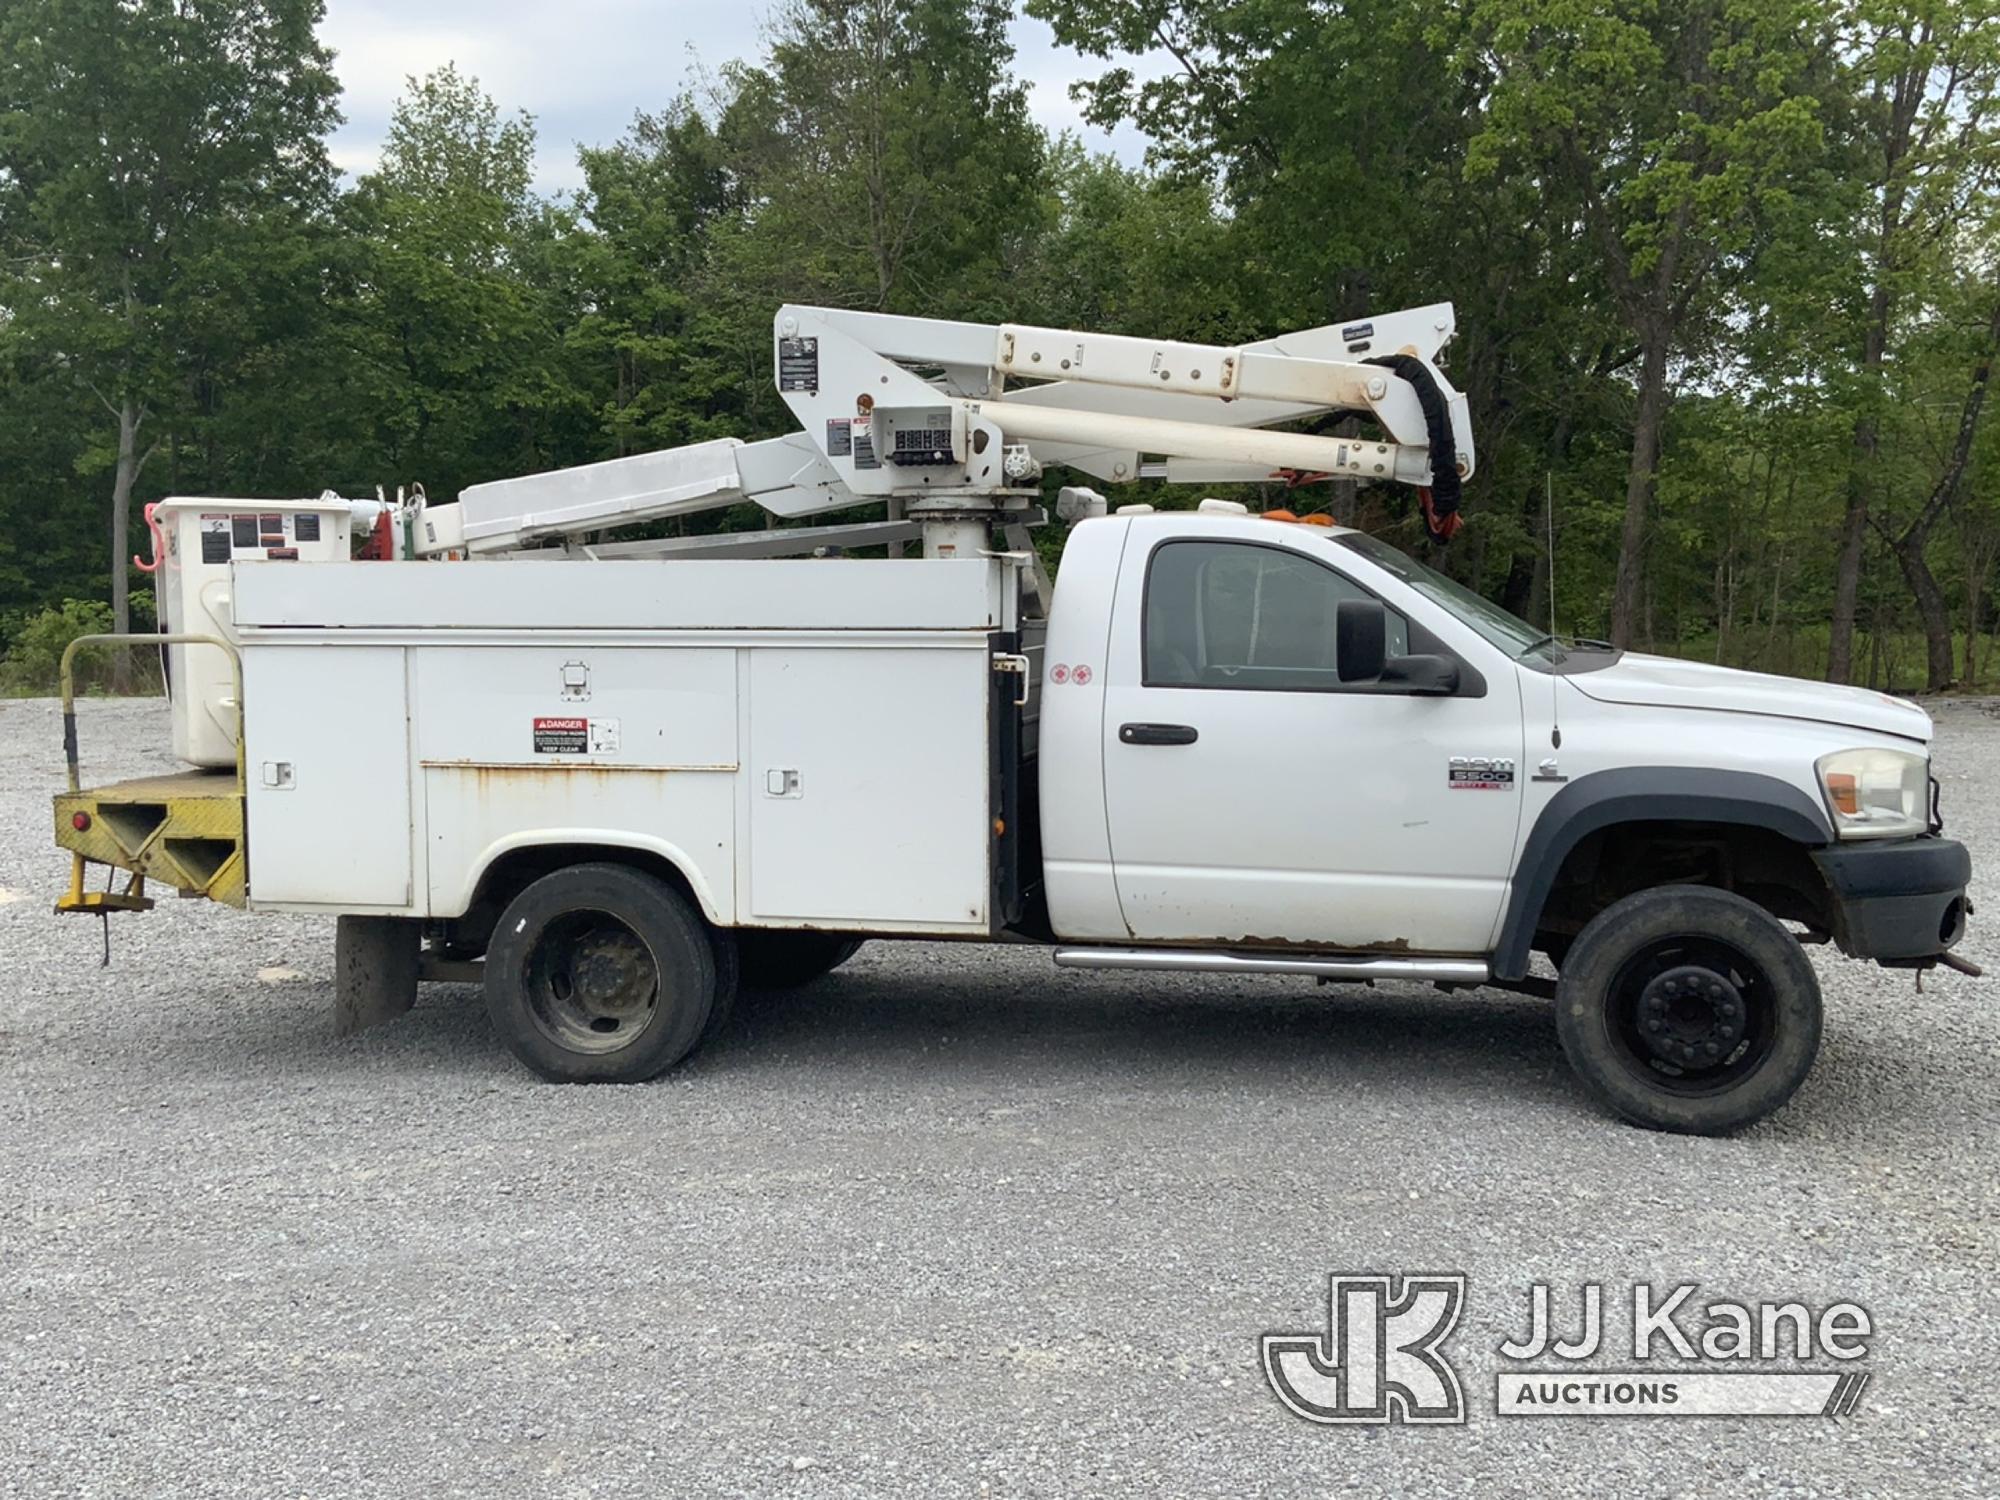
(1667, 682)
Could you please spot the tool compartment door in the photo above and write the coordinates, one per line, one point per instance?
(327, 761)
(869, 786)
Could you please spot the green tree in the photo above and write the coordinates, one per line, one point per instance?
(1337, 138)
(47, 554)
(457, 329)
(1924, 78)
(1338, 188)
(650, 204)
(152, 152)
(1682, 132)
(889, 154)
(1969, 343)
(1130, 252)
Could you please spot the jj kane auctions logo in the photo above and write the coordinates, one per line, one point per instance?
(1382, 1356)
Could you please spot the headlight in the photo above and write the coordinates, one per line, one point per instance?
(1876, 794)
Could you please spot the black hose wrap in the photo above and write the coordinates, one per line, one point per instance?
(1446, 491)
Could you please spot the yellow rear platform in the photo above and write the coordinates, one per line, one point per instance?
(184, 831)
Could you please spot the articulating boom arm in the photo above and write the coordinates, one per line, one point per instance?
(938, 416)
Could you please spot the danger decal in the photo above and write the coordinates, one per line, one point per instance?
(562, 736)
(576, 737)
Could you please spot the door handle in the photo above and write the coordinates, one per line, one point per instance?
(1158, 734)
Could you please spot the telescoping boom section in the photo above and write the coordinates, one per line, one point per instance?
(941, 418)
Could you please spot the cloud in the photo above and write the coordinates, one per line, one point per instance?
(585, 67)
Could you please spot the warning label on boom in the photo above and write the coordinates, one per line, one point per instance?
(798, 364)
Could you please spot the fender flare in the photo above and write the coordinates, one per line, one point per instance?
(592, 838)
(1642, 794)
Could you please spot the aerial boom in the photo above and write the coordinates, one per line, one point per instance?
(954, 423)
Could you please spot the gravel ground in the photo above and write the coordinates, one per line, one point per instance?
(950, 1222)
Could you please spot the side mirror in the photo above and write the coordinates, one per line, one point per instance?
(1426, 676)
(1360, 643)
(1361, 653)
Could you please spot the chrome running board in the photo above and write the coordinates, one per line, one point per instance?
(1198, 961)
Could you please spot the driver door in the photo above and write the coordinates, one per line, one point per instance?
(1252, 797)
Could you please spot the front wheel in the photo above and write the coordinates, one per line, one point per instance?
(600, 974)
(1690, 1009)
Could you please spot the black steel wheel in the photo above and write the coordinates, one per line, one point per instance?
(1690, 1009)
(600, 974)
(1694, 1015)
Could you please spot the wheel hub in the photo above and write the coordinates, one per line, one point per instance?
(1692, 1017)
(610, 975)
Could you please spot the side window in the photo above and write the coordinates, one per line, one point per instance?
(1237, 615)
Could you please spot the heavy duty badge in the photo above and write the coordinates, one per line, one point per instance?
(1481, 773)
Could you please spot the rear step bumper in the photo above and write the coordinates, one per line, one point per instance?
(184, 831)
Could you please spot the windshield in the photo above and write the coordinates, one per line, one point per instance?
(1513, 635)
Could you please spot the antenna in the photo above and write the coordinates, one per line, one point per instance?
(1555, 682)
(1550, 512)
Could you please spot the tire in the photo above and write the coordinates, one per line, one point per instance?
(786, 960)
(728, 982)
(1689, 1009)
(600, 973)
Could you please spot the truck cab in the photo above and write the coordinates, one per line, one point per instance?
(1262, 742)
(1194, 664)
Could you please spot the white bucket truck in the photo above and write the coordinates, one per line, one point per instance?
(611, 779)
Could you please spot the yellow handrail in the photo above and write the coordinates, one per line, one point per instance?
(69, 687)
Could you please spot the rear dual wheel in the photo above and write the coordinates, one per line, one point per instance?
(1689, 1009)
(785, 960)
(600, 973)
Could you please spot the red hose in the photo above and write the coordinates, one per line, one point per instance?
(1441, 527)
(159, 544)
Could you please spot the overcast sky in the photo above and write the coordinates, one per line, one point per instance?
(583, 67)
